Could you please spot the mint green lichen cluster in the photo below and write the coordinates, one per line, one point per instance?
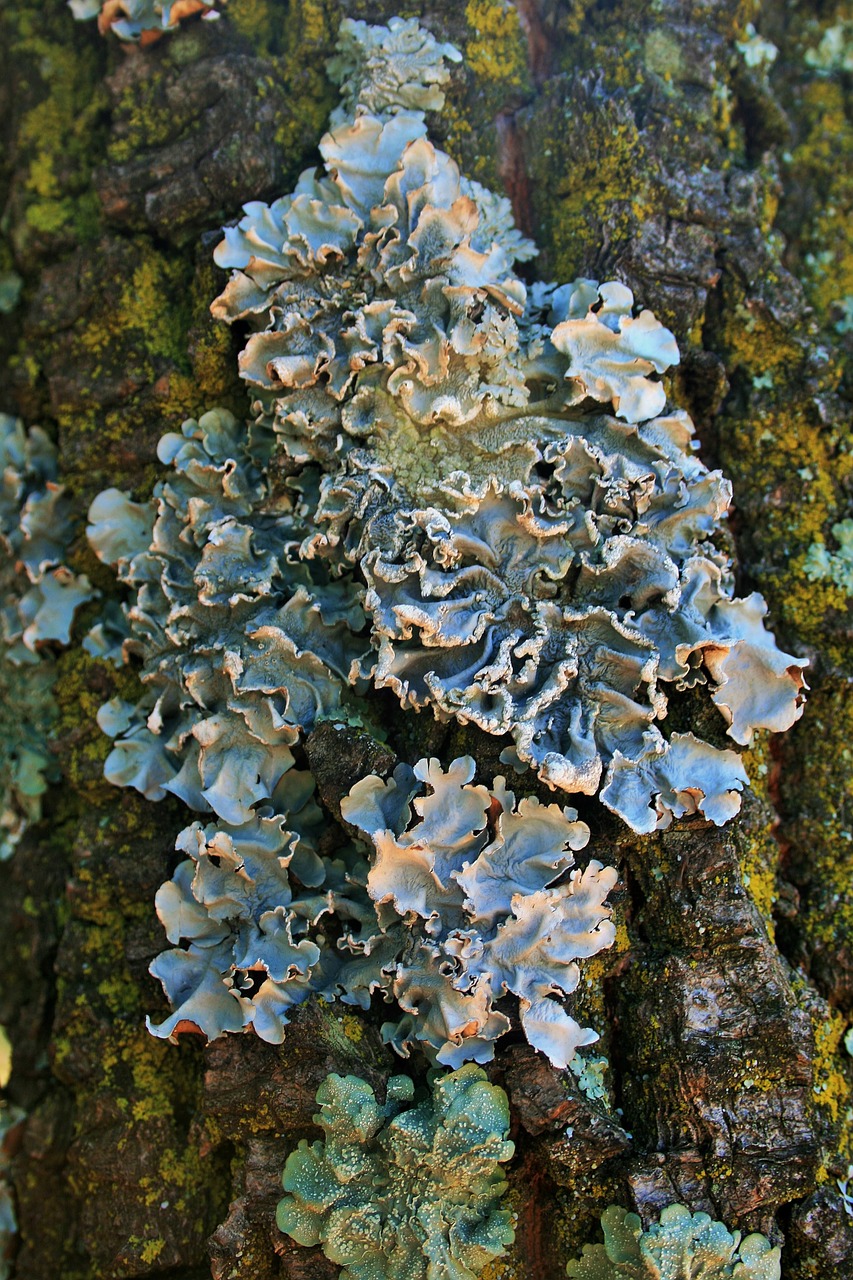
(835, 566)
(681, 1246)
(402, 1192)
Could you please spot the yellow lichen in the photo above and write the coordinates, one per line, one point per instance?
(496, 50)
(831, 1088)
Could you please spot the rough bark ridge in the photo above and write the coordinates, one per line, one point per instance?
(638, 141)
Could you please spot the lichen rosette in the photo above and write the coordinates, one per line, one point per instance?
(464, 489)
(497, 465)
(403, 1191)
(680, 1246)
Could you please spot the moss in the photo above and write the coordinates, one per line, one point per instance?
(789, 467)
(597, 154)
(56, 73)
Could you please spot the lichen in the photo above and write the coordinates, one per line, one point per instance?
(836, 566)
(451, 914)
(398, 1191)
(463, 489)
(471, 916)
(681, 1246)
(255, 941)
(143, 20)
(39, 596)
(510, 532)
(835, 50)
(240, 652)
(756, 51)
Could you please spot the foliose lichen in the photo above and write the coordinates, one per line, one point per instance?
(402, 1192)
(464, 490)
(836, 566)
(242, 647)
(474, 900)
(143, 20)
(257, 913)
(464, 901)
(491, 463)
(39, 596)
(835, 51)
(681, 1246)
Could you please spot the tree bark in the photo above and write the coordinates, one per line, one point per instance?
(636, 142)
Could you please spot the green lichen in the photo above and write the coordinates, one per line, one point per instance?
(591, 1075)
(397, 1193)
(682, 1246)
(837, 566)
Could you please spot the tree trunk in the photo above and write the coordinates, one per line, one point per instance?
(643, 142)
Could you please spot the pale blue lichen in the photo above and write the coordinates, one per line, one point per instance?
(468, 899)
(141, 19)
(39, 596)
(397, 68)
(241, 648)
(681, 1246)
(835, 51)
(534, 564)
(590, 1073)
(845, 324)
(475, 894)
(457, 487)
(255, 911)
(403, 1192)
(756, 51)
